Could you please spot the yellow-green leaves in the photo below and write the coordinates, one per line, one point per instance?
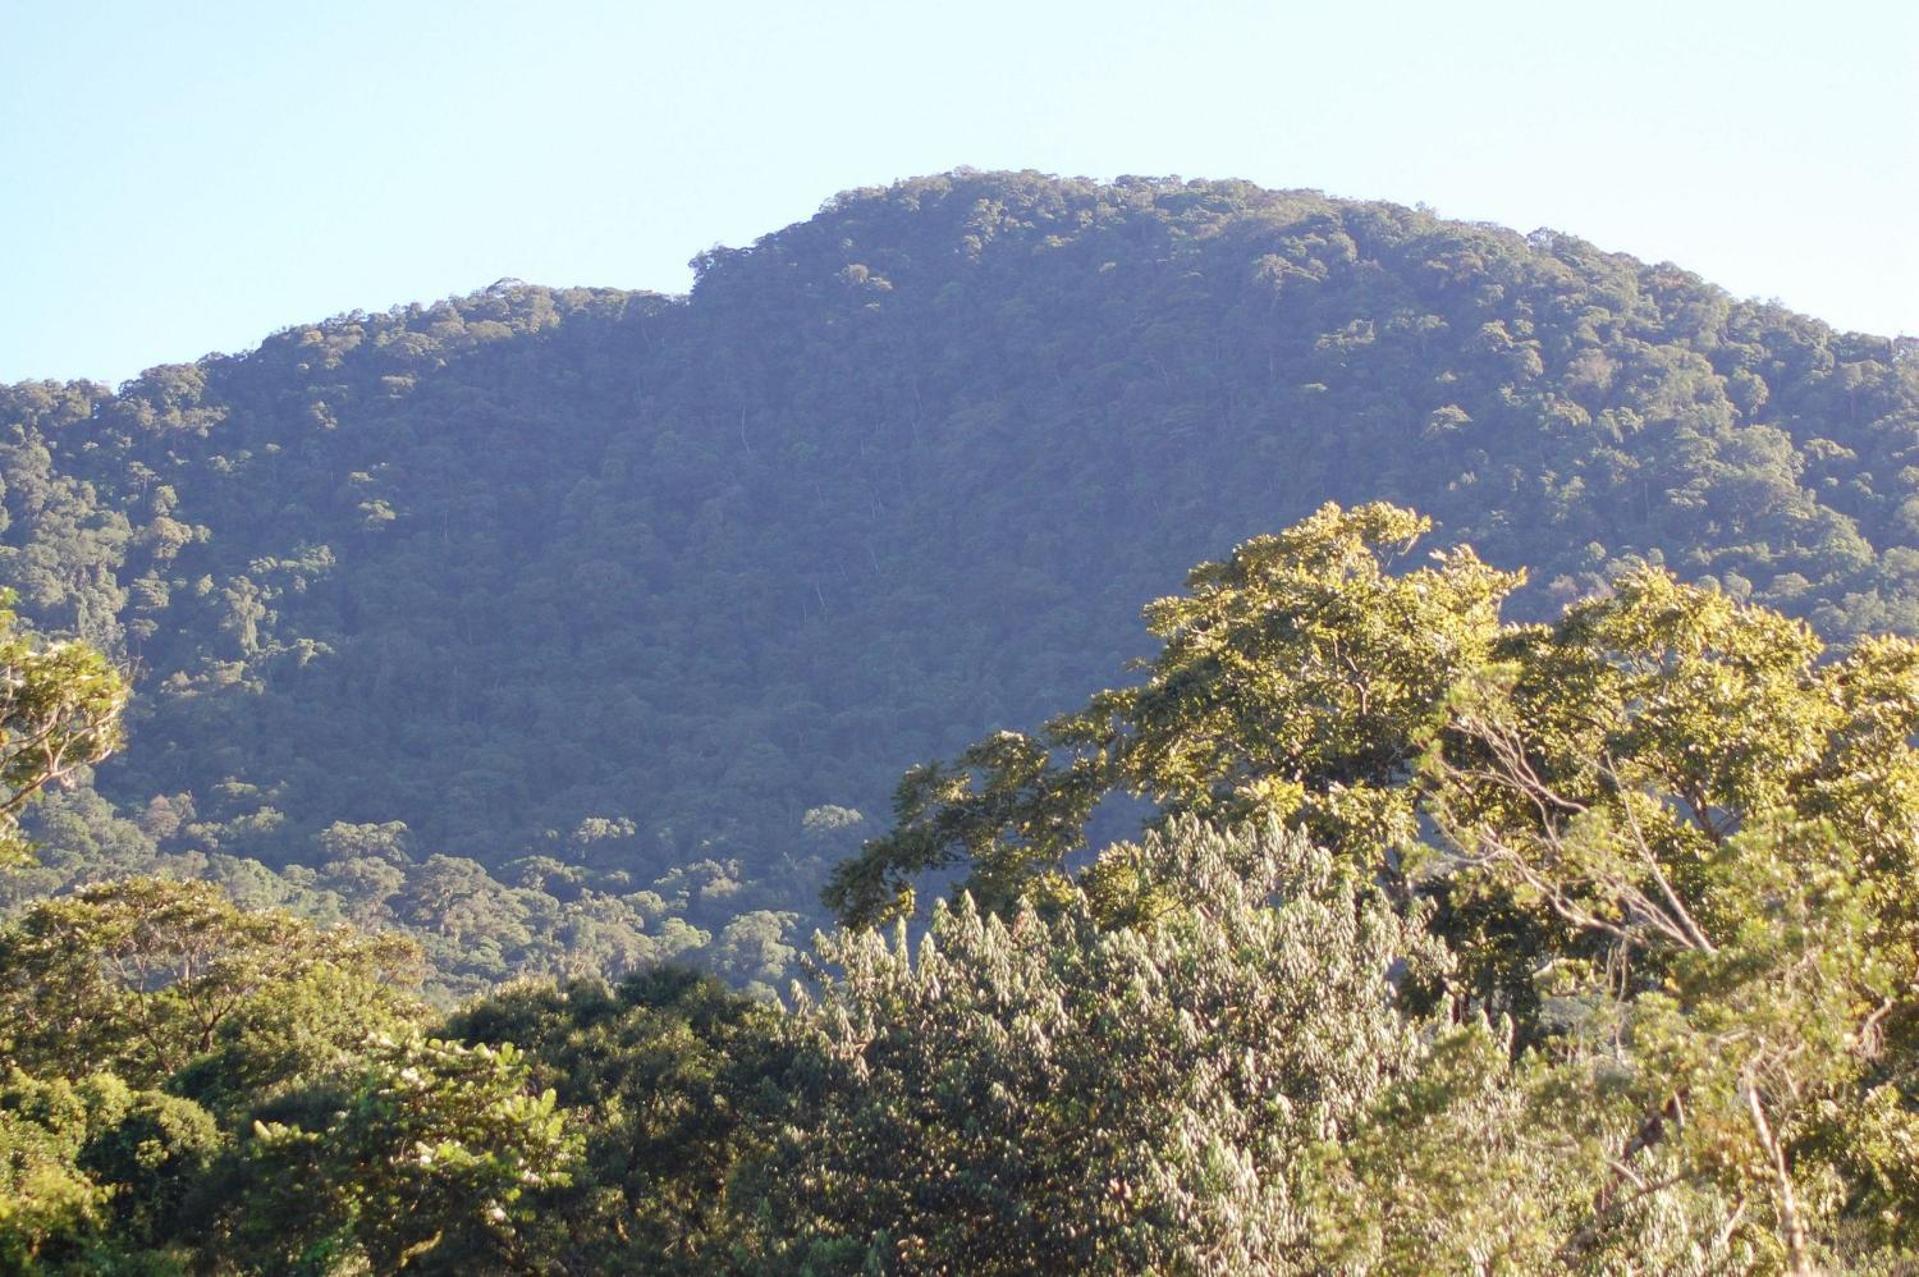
(1670, 846)
(1720, 827)
(60, 707)
(144, 976)
(1302, 673)
(428, 1165)
(1299, 679)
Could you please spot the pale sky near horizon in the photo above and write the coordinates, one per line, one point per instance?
(187, 178)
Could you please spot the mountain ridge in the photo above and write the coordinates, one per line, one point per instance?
(698, 566)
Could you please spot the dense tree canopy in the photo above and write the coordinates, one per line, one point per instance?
(1047, 1094)
(1482, 919)
(600, 594)
(1452, 944)
(60, 707)
(1663, 842)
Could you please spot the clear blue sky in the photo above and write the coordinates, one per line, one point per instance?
(181, 178)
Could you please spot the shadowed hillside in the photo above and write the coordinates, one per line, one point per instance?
(638, 600)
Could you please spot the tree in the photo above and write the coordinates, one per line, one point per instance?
(60, 706)
(50, 1209)
(1045, 1093)
(95, 1173)
(144, 975)
(1670, 849)
(1299, 680)
(675, 1082)
(426, 1169)
(1726, 828)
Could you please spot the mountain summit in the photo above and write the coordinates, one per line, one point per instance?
(674, 588)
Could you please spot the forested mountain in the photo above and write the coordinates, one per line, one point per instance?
(578, 628)
(1529, 888)
(1456, 945)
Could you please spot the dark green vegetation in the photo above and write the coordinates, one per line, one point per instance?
(1455, 945)
(1472, 919)
(572, 630)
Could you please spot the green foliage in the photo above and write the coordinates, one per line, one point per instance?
(307, 1029)
(673, 1079)
(1680, 782)
(60, 709)
(568, 633)
(141, 976)
(49, 1208)
(1453, 944)
(1297, 680)
(886, 482)
(535, 916)
(97, 1174)
(295, 1119)
(1045, 1094)
(425, 1170)
(1664, 836)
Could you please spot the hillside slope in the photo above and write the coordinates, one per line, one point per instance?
(667, 589)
